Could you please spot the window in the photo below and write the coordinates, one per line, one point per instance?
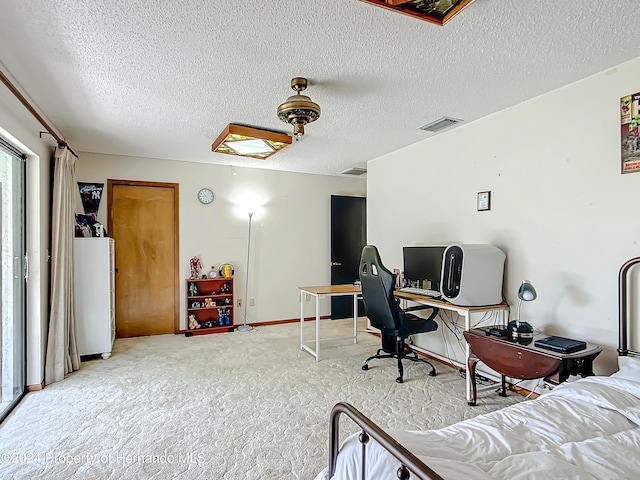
(12, 277)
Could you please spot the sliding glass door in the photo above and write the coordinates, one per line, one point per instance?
(12, 277)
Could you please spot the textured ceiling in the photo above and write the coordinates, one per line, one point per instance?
(162, 79)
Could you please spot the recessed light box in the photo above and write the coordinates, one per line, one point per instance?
(438, 12)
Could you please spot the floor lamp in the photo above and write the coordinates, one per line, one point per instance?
(245, 327)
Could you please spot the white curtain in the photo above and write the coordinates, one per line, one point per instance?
(62, 349)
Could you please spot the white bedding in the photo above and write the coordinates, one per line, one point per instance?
(587, 429)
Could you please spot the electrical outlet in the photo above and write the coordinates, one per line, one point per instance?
(307, 297)
(239, 303)
(252, 302)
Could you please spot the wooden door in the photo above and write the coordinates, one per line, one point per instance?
(143, 220)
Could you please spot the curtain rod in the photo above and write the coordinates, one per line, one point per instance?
(27, 105)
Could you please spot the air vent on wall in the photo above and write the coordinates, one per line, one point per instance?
(354, 171)
(440, 124)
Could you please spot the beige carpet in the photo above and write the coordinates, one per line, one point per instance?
(226, 406)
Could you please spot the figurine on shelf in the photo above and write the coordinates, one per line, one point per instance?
(227, 270)
(195, 266)
(193, 290)
(223, 315)
(193, 323)
(225, 288)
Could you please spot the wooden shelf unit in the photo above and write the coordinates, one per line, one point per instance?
(211, 302)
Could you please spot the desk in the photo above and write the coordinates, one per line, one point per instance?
(321, 292)
(525, 362)
(464, 312)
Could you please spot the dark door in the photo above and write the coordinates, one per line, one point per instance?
(348, 238)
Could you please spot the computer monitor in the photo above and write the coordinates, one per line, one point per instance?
(423, 264)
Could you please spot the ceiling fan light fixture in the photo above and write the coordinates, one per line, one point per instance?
(250, 142)
(298, 109)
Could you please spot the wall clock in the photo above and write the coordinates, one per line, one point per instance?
(206, 196)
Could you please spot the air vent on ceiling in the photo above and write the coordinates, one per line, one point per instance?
(440, 124)
(354, 171)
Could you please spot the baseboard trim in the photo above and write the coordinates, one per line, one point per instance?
(35, 388)
(287, 320)
(514, 388)
(274, 322)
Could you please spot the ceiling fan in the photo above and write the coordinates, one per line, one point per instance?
(298, 109)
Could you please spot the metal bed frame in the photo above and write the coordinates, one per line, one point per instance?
(409, 463)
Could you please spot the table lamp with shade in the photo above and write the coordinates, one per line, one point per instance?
(522, 332)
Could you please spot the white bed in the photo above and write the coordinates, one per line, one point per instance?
(587, 429)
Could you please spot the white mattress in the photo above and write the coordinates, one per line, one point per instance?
(587, 429)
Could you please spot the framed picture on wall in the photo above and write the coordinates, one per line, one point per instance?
(630, 133)
(484, 201)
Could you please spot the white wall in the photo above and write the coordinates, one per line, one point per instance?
(290, 238)
(560, 209)
(18, 127)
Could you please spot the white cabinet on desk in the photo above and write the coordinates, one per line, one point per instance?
(94, 295)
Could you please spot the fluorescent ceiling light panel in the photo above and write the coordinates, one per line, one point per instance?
(249, 147)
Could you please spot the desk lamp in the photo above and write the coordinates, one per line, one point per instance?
(522, 332)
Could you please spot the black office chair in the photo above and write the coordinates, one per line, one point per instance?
(383, 309)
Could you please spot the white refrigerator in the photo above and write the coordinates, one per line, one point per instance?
(94, 295)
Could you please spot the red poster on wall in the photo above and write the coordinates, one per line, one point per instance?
(630, 132)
